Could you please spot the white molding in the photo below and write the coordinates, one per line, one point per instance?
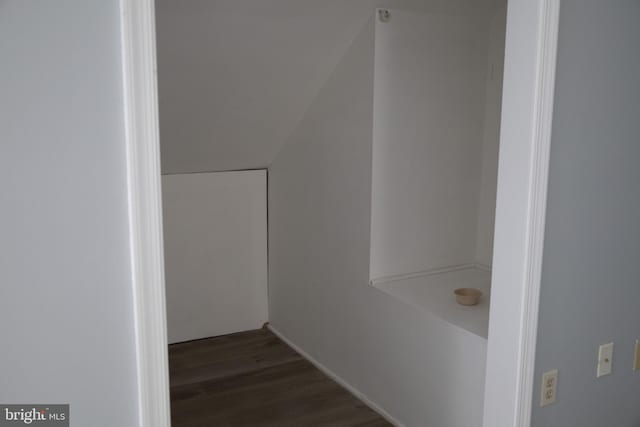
(357, 393)
(483, 267)
(529, 80)
(543, 111)
(398, 277)
(145, 210)
(448, 269)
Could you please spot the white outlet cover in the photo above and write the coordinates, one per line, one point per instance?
(549, 387)
(605, 360)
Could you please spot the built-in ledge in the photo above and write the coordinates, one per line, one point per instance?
(433, 291)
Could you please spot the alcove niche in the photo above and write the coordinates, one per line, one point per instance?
(382, 202)
(436, 119)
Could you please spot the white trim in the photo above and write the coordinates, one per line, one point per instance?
(547, 51)
(145, 210)
(483, 267)
(526, 141)
(448, 269)
(398, 277)
(357, 393)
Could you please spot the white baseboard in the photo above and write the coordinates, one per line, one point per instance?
(384, 414)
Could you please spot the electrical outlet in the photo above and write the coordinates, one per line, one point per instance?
(636, 359)
(605, 360)
(549, 387)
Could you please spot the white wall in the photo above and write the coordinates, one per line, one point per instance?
(66, 312)
(235, 76)
(591, 276)
(215, 235)
(491, 139)
(320, 299)
(427, 141)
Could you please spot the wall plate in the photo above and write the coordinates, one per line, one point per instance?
(549, 387)
(605, 360)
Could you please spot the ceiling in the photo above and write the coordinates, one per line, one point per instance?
(235, 76)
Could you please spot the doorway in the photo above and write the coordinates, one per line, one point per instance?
(516, 176)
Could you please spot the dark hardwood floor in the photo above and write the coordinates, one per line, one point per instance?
(254, 379)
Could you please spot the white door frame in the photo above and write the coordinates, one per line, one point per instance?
(529, 78)
(145, 210)
(525, 138)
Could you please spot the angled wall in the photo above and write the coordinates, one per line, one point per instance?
(410, 363)
(235, 76)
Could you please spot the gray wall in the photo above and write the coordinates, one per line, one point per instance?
(591, 268)
(66, 316)
(409, 362)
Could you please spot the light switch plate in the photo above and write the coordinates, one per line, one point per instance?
(636, 359)
(549, 387)
(605, 359)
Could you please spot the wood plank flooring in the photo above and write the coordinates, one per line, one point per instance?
(254, 379)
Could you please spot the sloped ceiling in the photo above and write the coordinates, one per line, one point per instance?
(235, 76)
